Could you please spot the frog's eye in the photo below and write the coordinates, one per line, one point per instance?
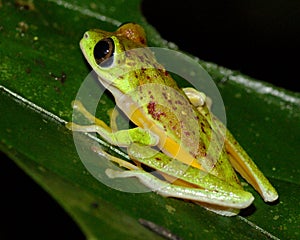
(104, 52)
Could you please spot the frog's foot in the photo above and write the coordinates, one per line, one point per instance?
(113, 114)
(78, 106)
(224, 211)
(119, 161)
(198, 99)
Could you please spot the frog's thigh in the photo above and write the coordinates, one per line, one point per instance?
(197, 98)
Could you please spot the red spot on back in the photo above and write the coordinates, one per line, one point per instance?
(153, 111)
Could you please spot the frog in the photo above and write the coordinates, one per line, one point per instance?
(177, 148)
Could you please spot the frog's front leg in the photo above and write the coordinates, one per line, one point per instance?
(77, 105)
(122, 138)
(113, 114)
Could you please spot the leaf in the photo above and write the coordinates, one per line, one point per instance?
(41, 70)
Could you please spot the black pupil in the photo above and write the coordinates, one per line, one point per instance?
(103, 52)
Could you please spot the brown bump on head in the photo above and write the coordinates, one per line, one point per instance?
(132, 31)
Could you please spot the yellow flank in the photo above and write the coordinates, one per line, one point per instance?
(168, 145)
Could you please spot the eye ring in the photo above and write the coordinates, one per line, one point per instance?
(104, 52)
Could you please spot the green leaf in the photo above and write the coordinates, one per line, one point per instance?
(41, 70)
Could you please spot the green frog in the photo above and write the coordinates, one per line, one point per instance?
(192, 153)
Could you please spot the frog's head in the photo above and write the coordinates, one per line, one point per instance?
(105, 51)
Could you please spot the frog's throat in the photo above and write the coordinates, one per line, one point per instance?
(134, 112)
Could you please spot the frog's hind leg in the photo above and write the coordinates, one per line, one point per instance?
(162, 187)
(207, 199)
(238, 157)
(242, 162)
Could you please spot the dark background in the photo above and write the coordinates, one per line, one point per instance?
(259, 38)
